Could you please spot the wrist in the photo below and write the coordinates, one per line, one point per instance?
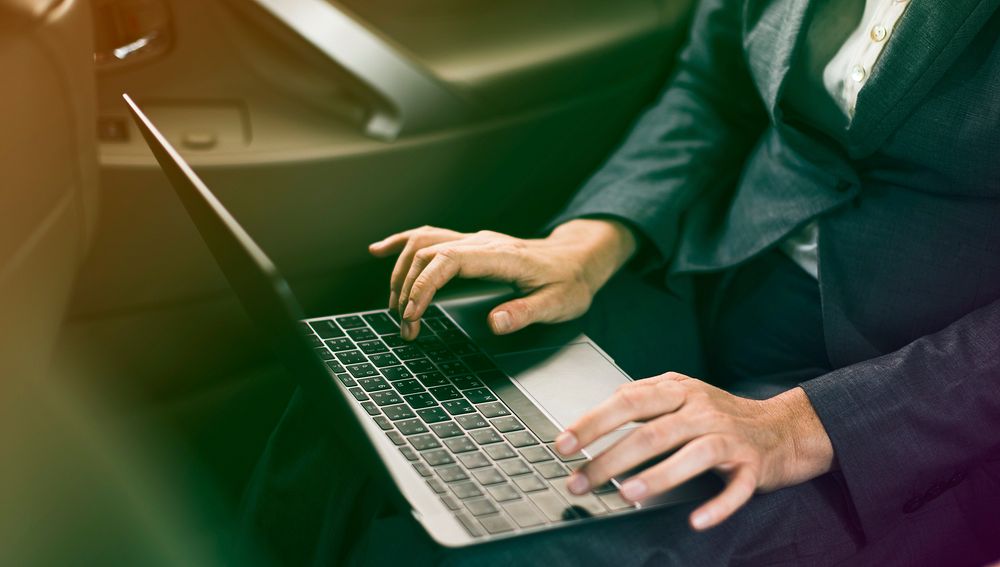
(810, 452)
(603, 247)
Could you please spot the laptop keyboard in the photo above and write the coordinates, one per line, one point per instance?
(459, 421)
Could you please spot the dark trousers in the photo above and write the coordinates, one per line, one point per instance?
(755, 330)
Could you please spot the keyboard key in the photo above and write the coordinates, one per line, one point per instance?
(323, 353)
(446, 430)
(478, 362)
(346, 380)
(529, 483)
(605, 488)
(384, 359)
(443, 393)
(498, 452)
(453, 368)
(503, 492)
(350, 322)
(452, 335)
(409, 453)
(458, 407)
(481, 395)
(463, 348)
(584, 505)
(421, 400)
(450, 501)
(486, 436)
(313, 340)
(362, 370)
(371, 408)
(394, 341)
(578, 456)
(473, 460)
(433, 312)
(419, 366)
(396, 373)
(399, 411)
(466, 382)
(521, 439)
(351, 357)
(614, 501)
(470, 524)
(435, 324)
(427, 341)
(552, 505)
(432, 415)
(383, 422)
(481, 507)
(373, 384)
(439, 355)
(507, 424)
(460, 444)
(514, 467)
(408, 352)
(524, 514)
(335, 367)
(464, 489)
(381, 322)
(326, 328)
(408, 386)
(437, 457)
(358, 394)
(536, 454)
(496, 524)
(437, 486)
(362, 334)
(423, 442)
(472, 421)
(491, 410)
(454, 473)
(373, 347)
(396, 437)
(410, 426)
(337, 345)
(488, 476)
(386, 398)
(422, 469)
(550, 470)
(432, 379)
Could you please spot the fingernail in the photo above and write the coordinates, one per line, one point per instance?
(700, 520)
(501, 321)
(410, 310)
(634, 489)
(578, 484)
(393, 300)
(566, 443)
(376, 244)
(407, 330)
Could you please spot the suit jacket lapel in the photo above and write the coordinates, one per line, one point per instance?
(927, 40)
(774, 34)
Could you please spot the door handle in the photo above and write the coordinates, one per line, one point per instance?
(414, 99)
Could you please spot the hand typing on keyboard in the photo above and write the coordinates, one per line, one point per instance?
(756, 445)
(559, 274)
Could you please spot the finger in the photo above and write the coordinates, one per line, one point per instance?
(390, 245)
(634, 401)
(467, 261)
(691, 460)
(545, 305)
(439, 271)
(738, 492)
(418, 239)
(644, 443)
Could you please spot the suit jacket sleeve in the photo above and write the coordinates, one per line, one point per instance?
(696, 136)
(907, 425)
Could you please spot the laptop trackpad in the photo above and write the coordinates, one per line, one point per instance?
(564, 382)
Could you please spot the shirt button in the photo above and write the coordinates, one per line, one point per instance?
(858, 73)
(878, 33)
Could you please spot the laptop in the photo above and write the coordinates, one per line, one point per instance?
(457, 426)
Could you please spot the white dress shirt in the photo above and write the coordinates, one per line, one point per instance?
(844, 77)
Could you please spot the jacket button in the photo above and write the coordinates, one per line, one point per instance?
(913, 504)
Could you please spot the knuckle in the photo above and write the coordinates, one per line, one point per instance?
(630, 398)
(649, 435)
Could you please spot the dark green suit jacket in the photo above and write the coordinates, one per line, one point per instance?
(908, 203)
